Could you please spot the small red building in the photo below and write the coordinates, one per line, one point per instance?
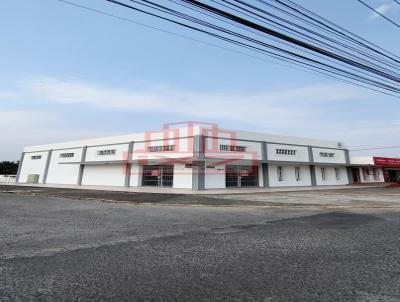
(390, 167)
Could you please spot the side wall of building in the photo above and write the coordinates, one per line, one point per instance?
(215, 177)
(331, 175)
(104, 175)
(367, 174)
(33, 165)
(182, 177)
(61, 170)
(287, 175)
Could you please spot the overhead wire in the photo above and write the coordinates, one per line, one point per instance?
(293, 64)
(308, 52)
(161, 8)
(378, 13)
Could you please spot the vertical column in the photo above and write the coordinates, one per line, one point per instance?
(46, 168)
(198, 164)
(347, 156)
(349, 170)
(264, 155)
(313, 176)
(264, 166)
(81, 166)
(128, 169)
(350, 175)
(312, 167)
(20, 167)
(198, 175)
(198, 146)
(265, 175)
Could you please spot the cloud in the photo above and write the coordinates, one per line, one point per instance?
(19, 128)
(383, 9)
(267, 108)
(301, 111)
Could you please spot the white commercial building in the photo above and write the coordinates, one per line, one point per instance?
(190, 156)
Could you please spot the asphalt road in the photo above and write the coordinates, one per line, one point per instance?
(57, 249)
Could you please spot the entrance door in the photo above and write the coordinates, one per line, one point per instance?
(356, 175)
(158, 176)
(241, 176)
(393, 175)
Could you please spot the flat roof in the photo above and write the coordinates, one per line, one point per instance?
(186, 131)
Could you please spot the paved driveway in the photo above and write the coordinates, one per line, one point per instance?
(57, 249)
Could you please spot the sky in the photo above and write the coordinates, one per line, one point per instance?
(67, 74)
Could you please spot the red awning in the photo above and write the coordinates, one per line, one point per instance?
(387, 162)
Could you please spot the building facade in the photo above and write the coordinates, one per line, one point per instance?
(369, 169)
(188, 156)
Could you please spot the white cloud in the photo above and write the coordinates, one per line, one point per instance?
(19, 128)
(383, 9)
(266, 108)
(300, 111)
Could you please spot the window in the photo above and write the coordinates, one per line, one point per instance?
(232, 148)
(286, 151)
(297, 173)
(279, 171)
(376, 174)
(36, 157)
(326, 154)
(65, 155)
(163, 148)
(337, 173)
(106, 152)
(323, 173)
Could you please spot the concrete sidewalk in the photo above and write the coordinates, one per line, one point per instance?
(201, 192)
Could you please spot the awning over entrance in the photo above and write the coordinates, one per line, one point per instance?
(387, 162)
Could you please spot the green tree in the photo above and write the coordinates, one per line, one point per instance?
(8, 167)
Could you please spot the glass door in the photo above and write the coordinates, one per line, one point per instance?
(158, 176)
(241, 176)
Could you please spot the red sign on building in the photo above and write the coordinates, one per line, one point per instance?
(387, 162)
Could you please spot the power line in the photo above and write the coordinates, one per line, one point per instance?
(390, 75)
(319, 56)
(335, 29)
(376, 148)
(380, 14)
(299, 67)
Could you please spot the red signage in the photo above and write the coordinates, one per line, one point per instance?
(387, 162)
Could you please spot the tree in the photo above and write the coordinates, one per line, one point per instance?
(8, 167)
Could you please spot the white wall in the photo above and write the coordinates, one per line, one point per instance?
(331, 176)
(301, 153)
(182, 177)
(370, 178)
(215, 178)
(106, 175)
(33, 166)
(181, 131)
(362, 160)
(212, 149)
(60, 171)
(289, 178)
(183, 148)
(136, 175)
(260, 176)
(281, 139)
(339, 156)
(7, 178)
(121, 153)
